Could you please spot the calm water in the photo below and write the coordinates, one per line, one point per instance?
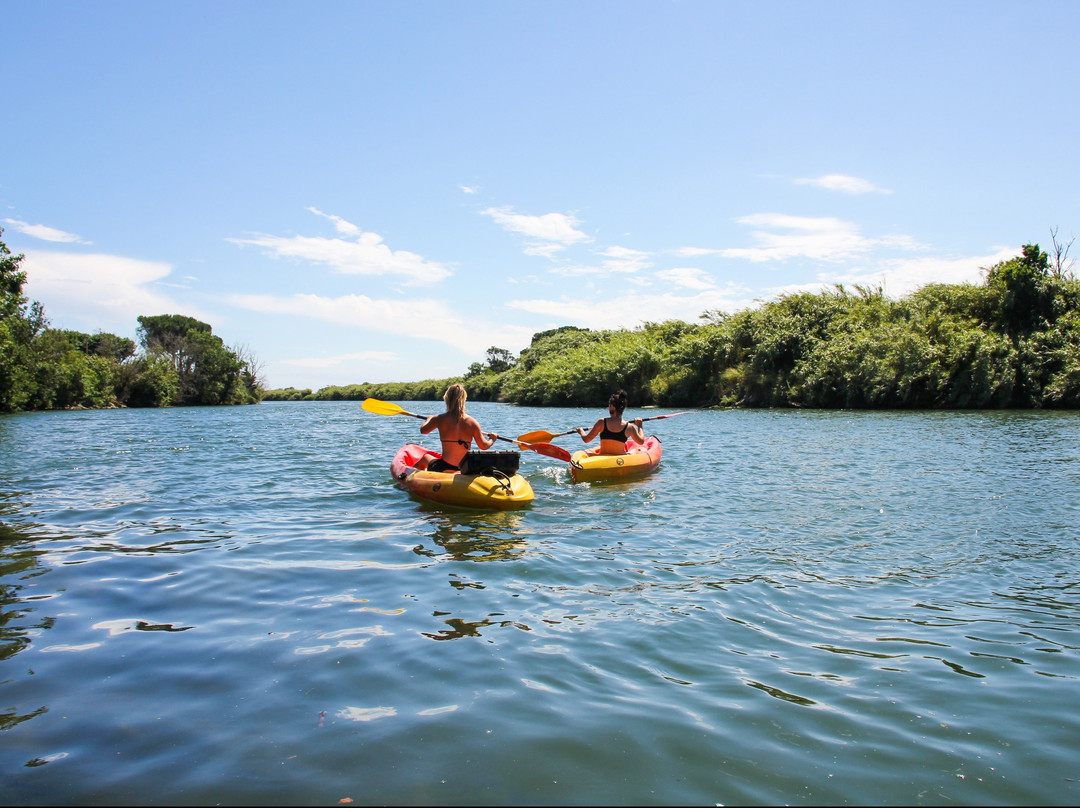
(238, 606)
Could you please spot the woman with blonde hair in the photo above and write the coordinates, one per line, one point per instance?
(457, 430)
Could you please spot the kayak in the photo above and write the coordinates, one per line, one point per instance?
(640, 459)
(494, 490)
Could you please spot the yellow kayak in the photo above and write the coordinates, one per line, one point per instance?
(495, 491)
(640, 459)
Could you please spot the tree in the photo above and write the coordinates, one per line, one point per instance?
(149, 381)
(19, 325)
(251, 374)
(11, 282)
(1022, 295)
(1060, 268)
(499, 360)
(206, 371)
(110, 346)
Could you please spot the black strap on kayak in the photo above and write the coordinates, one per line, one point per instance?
(504, 481)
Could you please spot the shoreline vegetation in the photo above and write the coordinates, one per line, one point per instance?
(1011, 342)
(179, 361)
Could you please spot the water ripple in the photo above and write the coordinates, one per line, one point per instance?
(239, 605)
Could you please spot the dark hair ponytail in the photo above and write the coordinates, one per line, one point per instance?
(618, 401)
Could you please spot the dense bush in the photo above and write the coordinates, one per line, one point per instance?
(1011, 341)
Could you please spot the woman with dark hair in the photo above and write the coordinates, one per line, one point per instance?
(457, 430)
(613, 430)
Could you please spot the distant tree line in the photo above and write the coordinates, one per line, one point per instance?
(178, 360)
(1012, 341)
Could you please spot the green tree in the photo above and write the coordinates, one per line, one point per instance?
(150, 380)
(110, 346)
(207, 372)
(1023, 294)
(499, 360)
(20, 323)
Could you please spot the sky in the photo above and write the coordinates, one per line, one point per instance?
(383, 190)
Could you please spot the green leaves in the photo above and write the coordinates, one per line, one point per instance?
(1011, 342)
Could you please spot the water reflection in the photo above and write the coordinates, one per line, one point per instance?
(458, 628)
(473, 536)
(19, 562)
(494, 536)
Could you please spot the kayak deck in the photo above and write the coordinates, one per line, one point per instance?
(494, 492)
(640, 459)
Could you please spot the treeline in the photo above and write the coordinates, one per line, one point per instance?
(1012, 341)
(178, 361)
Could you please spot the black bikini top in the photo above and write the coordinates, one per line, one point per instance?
(607, 434)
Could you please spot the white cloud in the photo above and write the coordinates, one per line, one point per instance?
(780, 237)
(902, 276)
(843, 183)
(547, 249)
(549, 233)
(631, 309)
(367, 255)
(342, 226)
(44, 232)
(468, 189)
(98, 292)
(693, 252)
(689, 277)
(396, 317)
(623, 259)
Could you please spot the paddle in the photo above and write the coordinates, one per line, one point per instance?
(389, 408)
(541, 435)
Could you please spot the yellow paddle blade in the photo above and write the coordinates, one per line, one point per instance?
(381, 407)
(539, 436)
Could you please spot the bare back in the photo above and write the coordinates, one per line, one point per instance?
(456, 434)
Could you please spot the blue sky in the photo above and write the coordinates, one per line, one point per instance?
(381, 191)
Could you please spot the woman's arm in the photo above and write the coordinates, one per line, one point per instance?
(596, 429)
(636, 432)
(482, 440)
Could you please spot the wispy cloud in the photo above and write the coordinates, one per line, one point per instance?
(694, 252)
(901, 276)
(468, 189)
(780, 237)
(688, 277)
(615, 260)
(547, 234)
(396, 317)
(843, 183)
(365, 254)
(342, 226)
(632, 308)
(624, 259)
(99, 292)
(44, 232)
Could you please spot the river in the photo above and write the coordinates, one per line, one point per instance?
(239, 606)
